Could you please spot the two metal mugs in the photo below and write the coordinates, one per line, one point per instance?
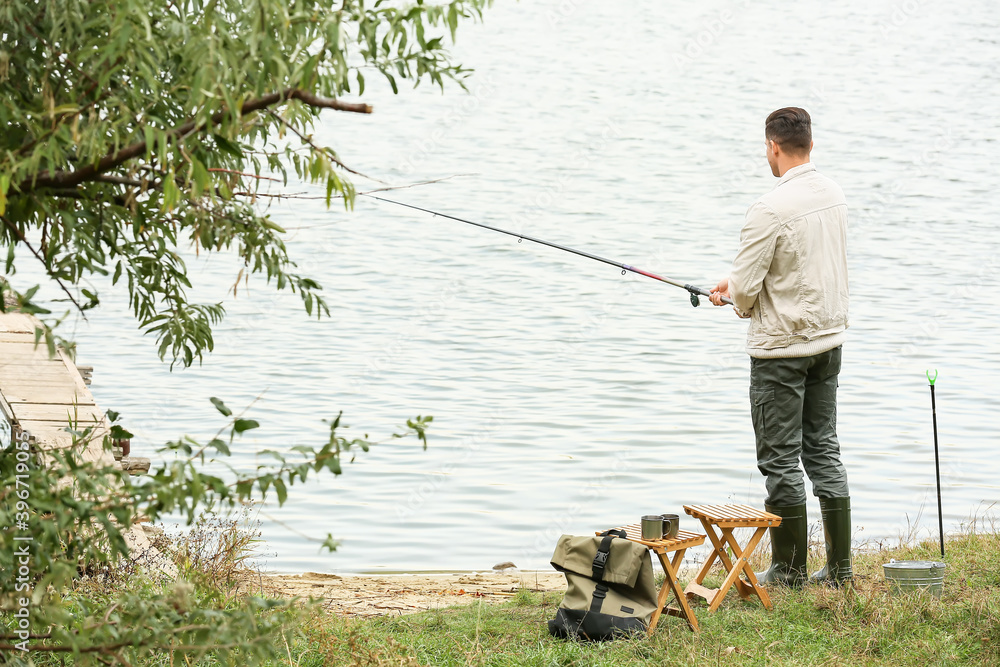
(660, 526)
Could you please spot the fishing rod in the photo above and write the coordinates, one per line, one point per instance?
(693, 290)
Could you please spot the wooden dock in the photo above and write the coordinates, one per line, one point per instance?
(43, 395)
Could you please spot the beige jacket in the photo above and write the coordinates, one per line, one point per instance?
(790, 274)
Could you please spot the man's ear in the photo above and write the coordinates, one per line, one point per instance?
(811, 144)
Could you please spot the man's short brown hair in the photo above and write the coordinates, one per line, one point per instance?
(790, 128)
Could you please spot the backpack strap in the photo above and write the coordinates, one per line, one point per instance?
(599, 594)
(601, 557)
(600, 563)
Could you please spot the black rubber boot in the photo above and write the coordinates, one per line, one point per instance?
(837, 534)
(788, 547)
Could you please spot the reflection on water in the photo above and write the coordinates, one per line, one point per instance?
(567, 397)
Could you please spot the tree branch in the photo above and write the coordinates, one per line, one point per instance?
(120, 180)
(243, 173)
(76, 194)
(308, 140)
(12, 227)
(70, 179)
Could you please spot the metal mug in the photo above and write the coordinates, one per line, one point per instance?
(652, 527)
(670, 524)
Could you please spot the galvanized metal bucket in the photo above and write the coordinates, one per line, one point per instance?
(905, 576)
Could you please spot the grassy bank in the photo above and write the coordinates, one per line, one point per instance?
(814, 626)
(864, 625)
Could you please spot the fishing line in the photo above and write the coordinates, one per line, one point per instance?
(693, 290)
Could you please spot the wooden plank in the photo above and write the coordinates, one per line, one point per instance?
(57, 432)
(23, 365)
(56, 413)
(17, 323)
(21, 377)
(50, 371)
(135, 464)
(726, 512)
(756, 523)
(24, 349)
(693, 589)
(6, 412)
(698, 510)
(51, 436)
(52, 393)
(732, 515)
(43, 376)
(8, 337)
(43, 394)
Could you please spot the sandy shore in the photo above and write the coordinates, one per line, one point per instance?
(378, 595)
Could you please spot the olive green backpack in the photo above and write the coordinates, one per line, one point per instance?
(609, 587)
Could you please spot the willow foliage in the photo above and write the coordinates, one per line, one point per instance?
(131, 128)
(69, 585)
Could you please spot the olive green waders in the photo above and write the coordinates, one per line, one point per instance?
(793, 402)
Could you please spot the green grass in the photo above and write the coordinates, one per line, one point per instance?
(814, 626)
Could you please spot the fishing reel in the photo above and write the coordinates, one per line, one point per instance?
(694, 292)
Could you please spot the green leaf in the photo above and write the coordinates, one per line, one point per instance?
(220, 446)
(4, 185)
(271, 224)
(119, 433)
(241, 425)
(329, 543)
(221, 407)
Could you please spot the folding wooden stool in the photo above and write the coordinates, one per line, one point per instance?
(727, 518)
(678, 545)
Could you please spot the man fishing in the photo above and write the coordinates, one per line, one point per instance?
(790, 279)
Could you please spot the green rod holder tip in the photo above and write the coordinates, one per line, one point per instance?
(930, 379)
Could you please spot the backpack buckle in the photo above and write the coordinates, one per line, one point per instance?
(600, 560)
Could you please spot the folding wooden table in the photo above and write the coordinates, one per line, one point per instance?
(727, 518)
(677, 545)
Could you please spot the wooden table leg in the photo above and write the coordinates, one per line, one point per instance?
(744, 589)
(694, 588)
(737, 568)
(744, 563)
(661, 601)
(674, 583)
(719, 551)
(712, 556)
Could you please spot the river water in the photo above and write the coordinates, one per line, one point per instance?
(567, 397)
